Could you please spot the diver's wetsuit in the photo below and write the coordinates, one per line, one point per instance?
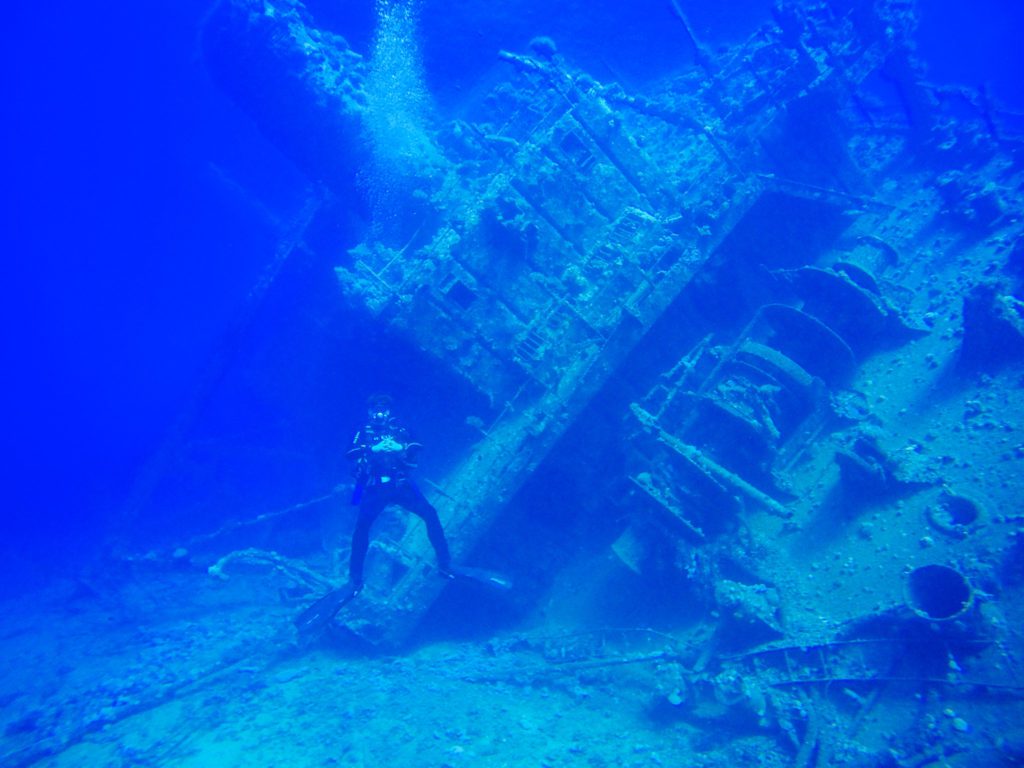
(383, 461)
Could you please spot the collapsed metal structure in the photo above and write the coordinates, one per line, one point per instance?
(556, 225)
(740, 220)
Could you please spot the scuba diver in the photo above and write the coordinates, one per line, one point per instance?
(384, 457)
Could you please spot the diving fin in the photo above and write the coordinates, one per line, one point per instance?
(313, 620)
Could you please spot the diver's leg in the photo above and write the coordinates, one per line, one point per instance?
(417, 503)
(370, 507)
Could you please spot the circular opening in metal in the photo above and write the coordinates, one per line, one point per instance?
(938, 593)
(960, 511)
(954, 515)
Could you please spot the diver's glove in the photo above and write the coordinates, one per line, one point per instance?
(388, 445)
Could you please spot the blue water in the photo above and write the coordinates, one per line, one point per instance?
(147, 308)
